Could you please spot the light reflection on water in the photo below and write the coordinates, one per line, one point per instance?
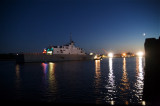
(17, 74)
(124, 85)
(139, 79)
(49, 76)
(52, 80)
(18, 81)
(111, 88)
(124, 92)
(97, 79)
(45, 65)
(112, 80)
(97, 73)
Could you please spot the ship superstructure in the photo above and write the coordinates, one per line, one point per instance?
(68, 52)
(69, 48)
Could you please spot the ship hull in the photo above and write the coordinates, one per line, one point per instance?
(52, 58)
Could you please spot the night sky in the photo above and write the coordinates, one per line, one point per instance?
(113, 25)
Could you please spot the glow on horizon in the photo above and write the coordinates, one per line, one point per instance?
(110, 55)
(140, 53)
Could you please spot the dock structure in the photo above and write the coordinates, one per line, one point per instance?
(151, 92)
(152, 52)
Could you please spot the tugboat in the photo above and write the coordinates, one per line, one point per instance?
(97, 57)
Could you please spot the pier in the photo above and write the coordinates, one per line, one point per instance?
(152, 71)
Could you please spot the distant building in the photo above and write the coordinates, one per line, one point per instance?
(117, 55)
(129, 54)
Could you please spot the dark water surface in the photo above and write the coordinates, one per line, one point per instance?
(109, 81)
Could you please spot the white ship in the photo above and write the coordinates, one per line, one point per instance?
(68, 52)
(64, 49)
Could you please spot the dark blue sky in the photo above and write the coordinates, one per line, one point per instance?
(113, 25)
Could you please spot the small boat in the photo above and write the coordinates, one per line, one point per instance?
(97, 57)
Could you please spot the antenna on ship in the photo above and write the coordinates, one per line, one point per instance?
(70, 37)
(71, 41)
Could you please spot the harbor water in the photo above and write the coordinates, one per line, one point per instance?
(108, 81)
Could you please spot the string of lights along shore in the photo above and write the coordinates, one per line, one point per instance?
(112, 55)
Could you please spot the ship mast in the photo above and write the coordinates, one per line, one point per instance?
(70, 37)
(71, 41)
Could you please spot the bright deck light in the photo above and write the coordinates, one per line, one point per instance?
(110, 54)
(143, 103)
(112, 102)
(140, 54)
(91, 53)
(49, 52)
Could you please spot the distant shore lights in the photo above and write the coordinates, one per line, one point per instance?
(110, 55)
(124, 54)
(140, 54)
